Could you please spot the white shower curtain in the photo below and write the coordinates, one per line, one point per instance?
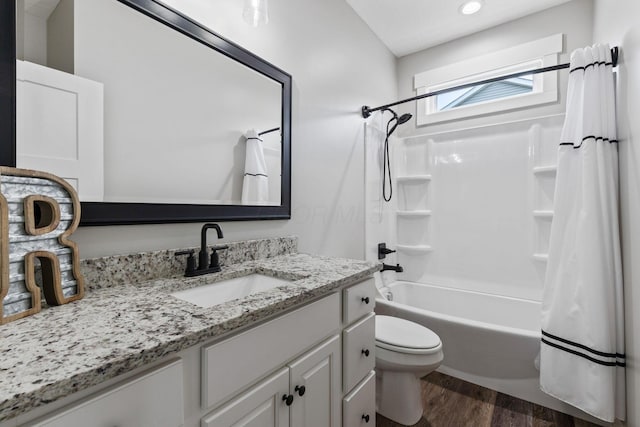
(582, 351)
(255, 185)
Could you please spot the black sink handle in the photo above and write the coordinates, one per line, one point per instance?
(191, 260)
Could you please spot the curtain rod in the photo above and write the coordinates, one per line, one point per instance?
(366, 111)
(268, 131)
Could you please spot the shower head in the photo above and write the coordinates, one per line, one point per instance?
(399, 121)
(404, 118)
(386, 162)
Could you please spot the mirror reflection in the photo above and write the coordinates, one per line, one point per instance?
(130, 110)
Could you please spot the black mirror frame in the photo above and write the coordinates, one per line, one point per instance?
(109, 213)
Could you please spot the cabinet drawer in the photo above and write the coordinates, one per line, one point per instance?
(358, 357)
(359, 300)
(233, 364)
(151, 399)
(359, 406)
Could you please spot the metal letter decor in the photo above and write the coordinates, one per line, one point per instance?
(38, 212)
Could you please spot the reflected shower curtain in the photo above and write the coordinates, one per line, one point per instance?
(582, 352)
(255, 185)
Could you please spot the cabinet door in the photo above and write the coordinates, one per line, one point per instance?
(151, 399)
(319, 372)
(359, 406)
(260, 406)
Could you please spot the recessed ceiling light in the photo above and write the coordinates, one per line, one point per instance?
(471, 7)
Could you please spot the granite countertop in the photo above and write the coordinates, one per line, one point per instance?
(116, 329)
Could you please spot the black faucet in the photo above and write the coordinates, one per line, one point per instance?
(204, 264)
(203, 255)
(397, 268)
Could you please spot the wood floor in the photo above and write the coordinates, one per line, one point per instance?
(450, 402)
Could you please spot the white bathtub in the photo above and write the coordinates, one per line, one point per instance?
(489, 340)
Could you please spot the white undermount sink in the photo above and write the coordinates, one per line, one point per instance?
(230, 289)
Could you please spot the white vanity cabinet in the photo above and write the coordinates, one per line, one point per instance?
(306, 393)
(312, 393)
(358, 355)
(330, 385)
(309, 367)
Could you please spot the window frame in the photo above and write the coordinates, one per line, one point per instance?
(538, 53)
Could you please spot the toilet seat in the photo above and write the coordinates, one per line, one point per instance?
(402, 336)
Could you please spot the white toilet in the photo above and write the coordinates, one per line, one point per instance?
(405, 352)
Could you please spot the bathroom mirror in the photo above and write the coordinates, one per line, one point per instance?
(143, 110)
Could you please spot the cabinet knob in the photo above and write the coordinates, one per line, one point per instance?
(365, 300)
(300, 389)
(366, 418)
(365, 352)
(287, 399)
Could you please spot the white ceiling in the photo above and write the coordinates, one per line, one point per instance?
(408, 26)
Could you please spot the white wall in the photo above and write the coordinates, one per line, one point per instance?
(35, 39)
(617, 24)
(60, 32)
(573, 19)
(337, 65)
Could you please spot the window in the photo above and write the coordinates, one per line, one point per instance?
(484, 93)
(519, 92)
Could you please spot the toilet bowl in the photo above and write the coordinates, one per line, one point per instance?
(405, 352)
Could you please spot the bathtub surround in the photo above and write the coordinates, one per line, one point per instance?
(582, 353)
(126, 325)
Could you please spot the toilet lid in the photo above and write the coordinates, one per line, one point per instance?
(402, 333)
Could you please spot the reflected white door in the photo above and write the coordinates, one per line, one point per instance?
(59, 127)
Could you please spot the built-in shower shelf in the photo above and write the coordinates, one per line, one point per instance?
(541, 257)
(414, 249)
(543, 214)
(415, 213)
(414, 178)
(545, 169)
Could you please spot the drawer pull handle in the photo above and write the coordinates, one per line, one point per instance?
(366, 418)
(300, 389)
(365, 352)
(365, 300)
(287, 399)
